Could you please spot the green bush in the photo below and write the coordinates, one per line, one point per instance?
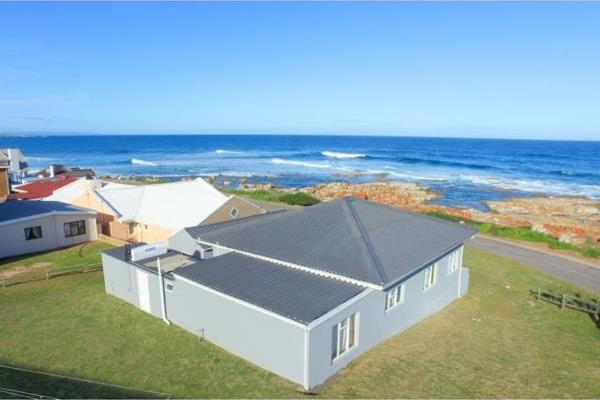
(298, 199)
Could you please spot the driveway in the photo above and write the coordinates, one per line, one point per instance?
(568, 269)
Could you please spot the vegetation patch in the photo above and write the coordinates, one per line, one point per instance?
(520, 233)
(276, 196)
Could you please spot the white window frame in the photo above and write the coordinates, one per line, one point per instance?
(430, 276)
(167, 284)
(394, 297)
(234, 212)
(454, 261)
(343, 343)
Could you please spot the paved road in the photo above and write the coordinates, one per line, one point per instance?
(569, 270)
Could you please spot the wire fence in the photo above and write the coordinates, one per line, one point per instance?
(46, 273)
(30, 384)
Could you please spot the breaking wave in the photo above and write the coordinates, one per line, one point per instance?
(340, 155)
(220, 151)
(137, 161)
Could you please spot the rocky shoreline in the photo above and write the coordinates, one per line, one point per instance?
(573, 220)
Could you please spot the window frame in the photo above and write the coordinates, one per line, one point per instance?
(454, 261)
(33, 229)
(167, 284)
(80, 228)
(394, 297)
(431, 276)
(345, 335)
(234, 212)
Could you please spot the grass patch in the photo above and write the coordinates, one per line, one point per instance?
(520, 233)
(276, 196)
(496, 342)
(85, 253)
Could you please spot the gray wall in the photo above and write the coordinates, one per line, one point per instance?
(120, 280)
(375, 324)
(265, 340)
(13, 241)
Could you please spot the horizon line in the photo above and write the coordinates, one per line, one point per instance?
(95, 134)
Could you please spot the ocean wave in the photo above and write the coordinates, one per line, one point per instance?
(300, 163)
(221, 151)
(340, 155)
(536, 186)
(137, 161)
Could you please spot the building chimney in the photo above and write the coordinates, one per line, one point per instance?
(52, 171)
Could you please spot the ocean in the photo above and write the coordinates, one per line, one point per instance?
(465, 172)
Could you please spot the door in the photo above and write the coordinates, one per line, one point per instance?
(143, 290)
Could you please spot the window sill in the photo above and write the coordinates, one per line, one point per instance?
(344, 355)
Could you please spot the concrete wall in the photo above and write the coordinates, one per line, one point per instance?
(263, 339)
(121, 280)
(13, 241)
(375, 324)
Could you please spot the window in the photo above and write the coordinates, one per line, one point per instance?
(454, 261)
(74, 228)
(169, 286)
(430, 276)
(233, 212)
(344, 336)
(33, 232)
(394, 297)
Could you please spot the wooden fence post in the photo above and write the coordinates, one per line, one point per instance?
(539, 293)
(564, 301)
(47, 274)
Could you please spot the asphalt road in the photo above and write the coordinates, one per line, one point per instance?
(569, 270)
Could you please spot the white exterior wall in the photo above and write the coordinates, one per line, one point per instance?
(375, 324)
(12, 236)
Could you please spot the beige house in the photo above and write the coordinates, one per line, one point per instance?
(152, 213)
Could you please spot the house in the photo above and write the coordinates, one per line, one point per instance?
(302, 292)
(4, 180)
(41, 188)
(33, 226)
(150, 213)
(17, 164)
(59, 169)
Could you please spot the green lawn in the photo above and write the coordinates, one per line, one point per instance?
(86, 253)
(497, 341)
(276, 196)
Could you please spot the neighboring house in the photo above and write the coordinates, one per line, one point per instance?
(41, 188)
(33, 226)
(151, 213)
(17, 164)
(4, 180)
(302, 292)
(59, 169)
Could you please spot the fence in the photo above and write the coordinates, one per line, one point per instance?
(48, 273)
(563, 300)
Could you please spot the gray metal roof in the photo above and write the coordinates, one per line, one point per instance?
(301, 296)
(348, 237)
(15, 209)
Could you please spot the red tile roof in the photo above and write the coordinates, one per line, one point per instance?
(42, 188)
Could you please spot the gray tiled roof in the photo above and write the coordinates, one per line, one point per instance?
(353, 238)
(301, 296)
(16, 209)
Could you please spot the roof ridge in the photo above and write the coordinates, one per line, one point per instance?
(367, 241)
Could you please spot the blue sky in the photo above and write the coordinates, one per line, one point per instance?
(520, 70)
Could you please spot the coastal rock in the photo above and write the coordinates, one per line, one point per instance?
(397, 194)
